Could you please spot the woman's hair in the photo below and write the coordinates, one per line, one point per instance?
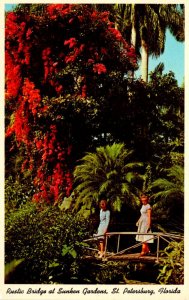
(104, 200)
(144, 195)
(102, 197)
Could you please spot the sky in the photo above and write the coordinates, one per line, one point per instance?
(173, 56)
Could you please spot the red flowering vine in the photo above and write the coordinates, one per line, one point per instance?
(48, 57)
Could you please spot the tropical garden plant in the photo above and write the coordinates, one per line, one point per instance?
(168, 195)
(110, 171)
(45, 241)
(171, 270)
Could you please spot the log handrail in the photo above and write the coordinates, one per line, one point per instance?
(156, 235)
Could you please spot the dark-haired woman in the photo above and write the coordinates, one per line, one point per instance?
(103, 226)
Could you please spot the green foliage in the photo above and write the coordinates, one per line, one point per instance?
(150, 120)
(120, 272)
(69, 250)
(147, 178)
(76, 117)
(167, 139)
(174, 186)
(17, 193)
(172, 264)
(109, 272)
(110, 171)
(47, 240)
(11, 267)
(168, 193)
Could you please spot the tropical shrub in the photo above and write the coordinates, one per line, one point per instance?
(48, 240)
(17, 193)
(171, 269)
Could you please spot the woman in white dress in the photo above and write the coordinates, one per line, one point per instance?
(144, 225)
(103, 226)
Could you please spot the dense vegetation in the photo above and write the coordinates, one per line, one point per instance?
(79, 126)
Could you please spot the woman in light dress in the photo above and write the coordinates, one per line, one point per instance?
(144, 225)
(103, 226)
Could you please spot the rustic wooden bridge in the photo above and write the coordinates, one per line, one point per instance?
(123, 255)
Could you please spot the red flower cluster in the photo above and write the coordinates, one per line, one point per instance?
(55, 10)
(11, 26)
(17, 52)
(71, 57)
(71, 42)
(32, 96)
(21, 127)
(132, 55)
(51, 184)
(13, 77)
(116, 33)
(49, 66)
(99, 68)
(51, 69)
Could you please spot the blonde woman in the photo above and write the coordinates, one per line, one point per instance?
(144, 225)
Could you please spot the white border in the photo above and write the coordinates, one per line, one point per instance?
(184, 295)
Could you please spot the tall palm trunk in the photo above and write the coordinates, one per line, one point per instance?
(144, 60)
(133, 28)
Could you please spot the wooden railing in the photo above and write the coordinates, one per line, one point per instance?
(168, 237)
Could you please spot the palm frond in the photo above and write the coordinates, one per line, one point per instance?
(117, 204)
(169, 191)
(133, 165)
(162, 184)
(112, 174)
(103, 188)
(125, 188)
(130, 176)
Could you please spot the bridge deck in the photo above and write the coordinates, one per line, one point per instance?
(134, 257)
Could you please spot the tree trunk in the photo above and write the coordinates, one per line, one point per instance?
(133, 28)
(133, 32)
(144, 61)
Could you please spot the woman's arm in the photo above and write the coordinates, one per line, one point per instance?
(149, 214)
(107, 220)
(137, 223)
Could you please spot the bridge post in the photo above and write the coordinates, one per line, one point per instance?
(118, 242)
(106, 241)
(158, 240)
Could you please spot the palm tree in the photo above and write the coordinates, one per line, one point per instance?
(110, 172)
(145, 25)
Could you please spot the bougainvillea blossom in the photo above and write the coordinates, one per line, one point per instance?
(99, 68)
